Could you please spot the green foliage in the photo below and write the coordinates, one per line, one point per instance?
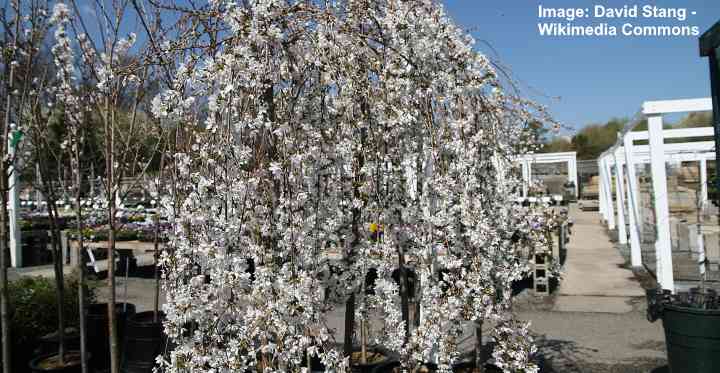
(697, 119)
(34, 310)
(87, 233)
(594, 139)
(558, 145)
(101, 234)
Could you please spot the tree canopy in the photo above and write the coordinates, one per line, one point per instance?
(593, 139)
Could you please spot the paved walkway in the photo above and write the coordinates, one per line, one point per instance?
(594, 279)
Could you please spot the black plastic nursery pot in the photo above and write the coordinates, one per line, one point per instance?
(378, 360)
(461, 367)
(49, 343)
(316, 364)
(48, 363)
(97, 331)
(144, 341)
(692, 337)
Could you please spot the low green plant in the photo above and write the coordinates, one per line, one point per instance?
(136, 218)
(33, 312)
(97, 235)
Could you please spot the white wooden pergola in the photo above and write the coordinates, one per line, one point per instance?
(620, 160)
(527, 160)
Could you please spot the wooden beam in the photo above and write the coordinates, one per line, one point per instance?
(677, 106)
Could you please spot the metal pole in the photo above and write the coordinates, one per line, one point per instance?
(13, 204)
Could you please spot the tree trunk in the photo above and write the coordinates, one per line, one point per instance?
(4, 314)
(156, 242)
(81, 262)
(479, 363)
(111, 195)
(112, 332)
(404, 301)
(356, 213)
(58, 261)
(349, 324)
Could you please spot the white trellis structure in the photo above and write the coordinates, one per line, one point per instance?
(527, 160)
(617, 165)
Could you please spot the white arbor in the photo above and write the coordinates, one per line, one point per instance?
(618, 164)
(526, 161)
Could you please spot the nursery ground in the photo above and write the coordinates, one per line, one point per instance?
(595, 321)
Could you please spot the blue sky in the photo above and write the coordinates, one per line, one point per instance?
(586, 80)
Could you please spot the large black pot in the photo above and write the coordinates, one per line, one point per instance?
(316, 364)
(48, 344)
(36, 364)
(692, 328)
(144, 341)
(34, 248)
(389, 360)
(98, 340)
(692, 337)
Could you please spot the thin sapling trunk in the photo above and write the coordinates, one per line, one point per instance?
(81, 262)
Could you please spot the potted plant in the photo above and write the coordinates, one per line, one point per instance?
(691, 321)
(144, 341)
(300, 162)
(47, 154)
(34, 314)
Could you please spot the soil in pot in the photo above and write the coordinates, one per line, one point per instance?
(144, 341)
(51, 363)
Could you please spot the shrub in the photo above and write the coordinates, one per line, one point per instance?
(33, 312)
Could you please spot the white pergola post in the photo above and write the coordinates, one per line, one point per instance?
(601, 191)
(703, 181)
(620, 201)
(525, 177)
(529, 171)
(663, 250)
(607, 183)
(572, 174)
(569, 158)
(633, 216)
